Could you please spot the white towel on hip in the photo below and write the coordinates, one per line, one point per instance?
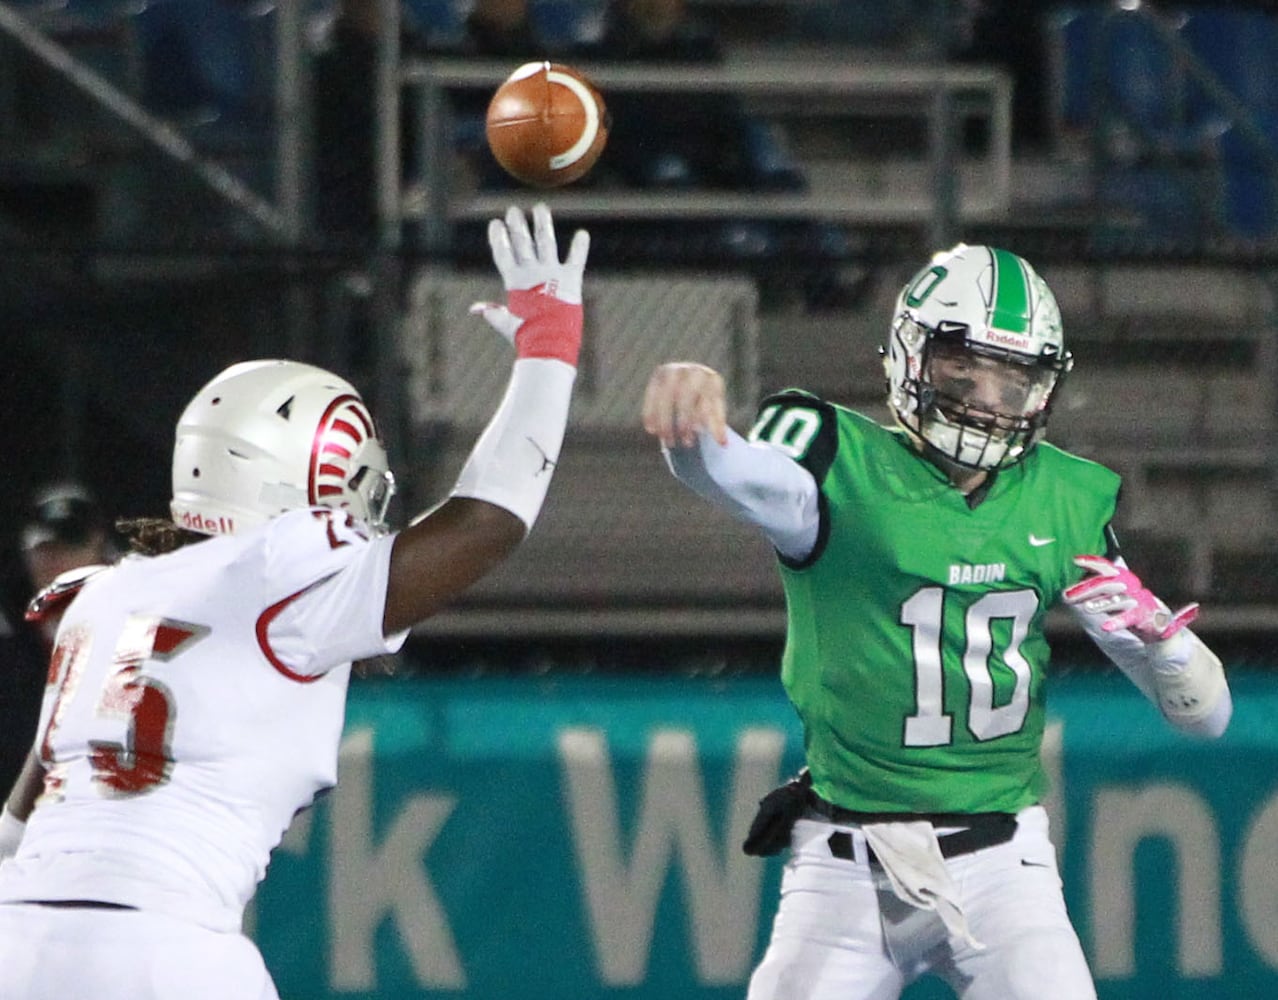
(911, 857)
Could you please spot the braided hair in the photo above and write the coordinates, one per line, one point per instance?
(154, 536)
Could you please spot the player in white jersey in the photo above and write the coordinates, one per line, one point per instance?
(195, 697)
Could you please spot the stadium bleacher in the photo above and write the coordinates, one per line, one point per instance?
(1178, 168)
(1179, 106)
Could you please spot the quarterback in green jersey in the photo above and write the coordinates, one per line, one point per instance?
(919, 562)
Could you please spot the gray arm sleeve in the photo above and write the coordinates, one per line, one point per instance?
(756, 483)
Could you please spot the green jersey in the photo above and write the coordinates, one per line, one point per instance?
(915, 654)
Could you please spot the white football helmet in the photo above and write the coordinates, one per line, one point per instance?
(974, 357)
(266, 437)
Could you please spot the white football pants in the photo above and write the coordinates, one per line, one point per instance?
(841, 934)
(60, 953)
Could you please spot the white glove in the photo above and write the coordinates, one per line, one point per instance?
(1116, 591)
(543, 315)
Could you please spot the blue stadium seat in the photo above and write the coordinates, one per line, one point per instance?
(1073, 34)
(1167, 202)
(562, 25)
(62, 16)
(1248, 206)
(437, 24)
(209, 65)
(1240, 49)
(1144, 84)
(770, 165)
(883, 24)
(1114, 69)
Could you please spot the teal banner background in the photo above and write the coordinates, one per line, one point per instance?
(578, 838)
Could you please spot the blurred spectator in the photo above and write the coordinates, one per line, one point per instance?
(1010, 33)
(64, 529)
(702, 140)
(705, 139)
(658, 31)
(345, 165)
(900, 26)
(502, 28)
(345, 122)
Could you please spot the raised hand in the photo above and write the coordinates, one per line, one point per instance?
(682, 399)
(1117, 592)
(542, 316)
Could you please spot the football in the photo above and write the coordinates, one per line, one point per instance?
(546, 124)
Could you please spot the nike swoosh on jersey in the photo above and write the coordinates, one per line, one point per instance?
(1037, 542)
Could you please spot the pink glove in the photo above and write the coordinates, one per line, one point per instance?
(1117, 591)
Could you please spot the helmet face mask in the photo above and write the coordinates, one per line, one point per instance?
(974, 357)
(265, 437)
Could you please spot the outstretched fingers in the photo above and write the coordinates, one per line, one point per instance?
(547, 248)
(521, 240)
(1097, 564)
(1106, 578)
(579, 250)
(499, 244)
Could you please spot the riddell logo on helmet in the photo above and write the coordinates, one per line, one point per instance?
(1005, 339)
(207, 525)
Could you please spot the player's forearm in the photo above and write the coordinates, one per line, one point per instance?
(1180, 675)
(514, 459)
(27, 788)
(1190, 681)
(447, 549)
(13, 818)
(755, 483)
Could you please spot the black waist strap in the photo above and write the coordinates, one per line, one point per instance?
(986, 833)
(853, 817)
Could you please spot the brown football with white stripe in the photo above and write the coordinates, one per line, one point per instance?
(547, 124)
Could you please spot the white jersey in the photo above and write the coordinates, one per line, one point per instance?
(195, 704)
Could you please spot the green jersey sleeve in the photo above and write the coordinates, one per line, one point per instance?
(806, 428)
(803, 426)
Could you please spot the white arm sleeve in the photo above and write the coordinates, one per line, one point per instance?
(1180, 675)
(756, 483)
(513, 461)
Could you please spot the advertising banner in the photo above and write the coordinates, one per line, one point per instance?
(579, 838)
